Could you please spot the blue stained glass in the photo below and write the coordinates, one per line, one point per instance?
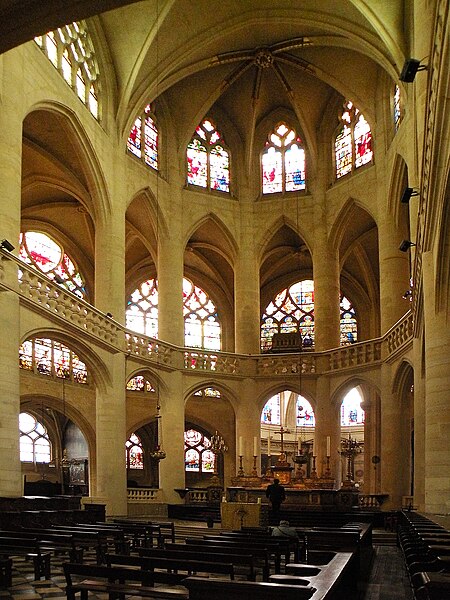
(219, 169)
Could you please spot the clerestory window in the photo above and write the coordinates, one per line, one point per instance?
(353, 141)
(283, 162)
(208, 159)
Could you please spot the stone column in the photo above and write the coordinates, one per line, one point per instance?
(10, 194)
(327, 425)
(110, 264)
(326, 295)
(437, 394)
(371, 442)
(111, 437)
(248, 426)
(394, 272)
(247, 290)
(170, 289)
(171, 435)
(420, 400)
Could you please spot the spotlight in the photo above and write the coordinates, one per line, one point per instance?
(406, 245)
(407, 294)
(58, 279)
(407, 193)
(410, 68)
(6, 245)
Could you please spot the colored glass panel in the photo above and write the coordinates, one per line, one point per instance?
(363, 142)
(208, 162)
(353, 143)
(197, 455)
(351, 412)
(34, 442)
(271, 412)
(295, 168)
(197, 159)
(219, 169)
(304, 413)
(272, 171)
(343, 152)
(397, 107)
(348, 322)
(283, 162)
(150, 143)
(134, 452)
(139, 384)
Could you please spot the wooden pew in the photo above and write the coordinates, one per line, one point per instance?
(115, 581)
(286, 543)
(50, 542)
(199, 589)
(166, 529)
(30, 548)
(238, 556)
(175, 569)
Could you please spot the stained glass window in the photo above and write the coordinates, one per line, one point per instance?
(52, 359)
(397, 107)
(348, 323)
(144, 144)
(304, 413)
(353, 142)
(134, 452)
(208, 162)
(271, 412)
(34, 441)
(201, 321)
(351, 411)
(292, 310)
(283, 162)
(71, 51)
(139, 384)
(208, 393)
(198, 457)
(48, 256)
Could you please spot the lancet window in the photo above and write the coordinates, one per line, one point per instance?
(35, 444)
(349, 326)
(208, 160)
(139, 384)
(198, 456)
(397, 107)
(71, 51)
(143, 139)
(304, 413)
(52, 359)
(48, 256)
(134, 452)
(201, 321)
(271, 412)
(353, 142)
(283, 162)
(351, 412)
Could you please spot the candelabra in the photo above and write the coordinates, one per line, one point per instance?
(349, 448)
(218, 445)
(240, 470)
(158, 453)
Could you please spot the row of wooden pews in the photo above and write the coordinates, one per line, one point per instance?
(426, 550)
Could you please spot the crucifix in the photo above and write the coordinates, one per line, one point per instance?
(282, 431)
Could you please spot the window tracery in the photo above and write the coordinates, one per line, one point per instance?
(47, 357)
(143, 139)
(71, 51)
(134, 452)
(198, 456)
(351, 412)
(304, 413)
(353, 142)
(48, 256)
(208, 161)
(283, 162)
(397, 107)
(35, 444)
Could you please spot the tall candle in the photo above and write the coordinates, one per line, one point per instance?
(268, 445)
(299, 445)
(328, 445)
(313, 445)
(255, 447)
(240, 445)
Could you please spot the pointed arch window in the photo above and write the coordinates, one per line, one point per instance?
(143, 139)
(353, 141)
(283, 162)
(351, 412)
(201, 320)
(134, 452)
(35, 444)
(304, 413)
(292, 310)
(52, 359)
(270, 414)
(71, 51)
(48, 256)
(139, 384)
(198, 457)
(397, 105)
(208, 161)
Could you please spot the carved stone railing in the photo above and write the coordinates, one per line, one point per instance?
(288, 364)
(197, 497)
(143, 495)
(218, 362)
(400, 334)
(371, 500)
(356, 355)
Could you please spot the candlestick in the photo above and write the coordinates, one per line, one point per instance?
(299, 445)
(268, 445)
(240, 446)
(328, 445)
(241, 470)
(254, 472)
(255, 446)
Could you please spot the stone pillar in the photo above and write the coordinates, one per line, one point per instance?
(327, 425)
(248, 426)
(437, 393)
(394, 443)
(111, 437)
(371, 442)
(110, 265)
(10, 194)
(420, 400)
(394, 272)
(326, 295)
(170, 290)
(171, 436)
(247, 290)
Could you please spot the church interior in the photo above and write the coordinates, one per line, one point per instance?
(225, 252)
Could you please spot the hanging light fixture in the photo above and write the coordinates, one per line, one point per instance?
(158, 453)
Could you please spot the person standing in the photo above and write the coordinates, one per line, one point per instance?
(276, 494)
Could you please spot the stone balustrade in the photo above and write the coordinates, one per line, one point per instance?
(143, 495)
(64, 307)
